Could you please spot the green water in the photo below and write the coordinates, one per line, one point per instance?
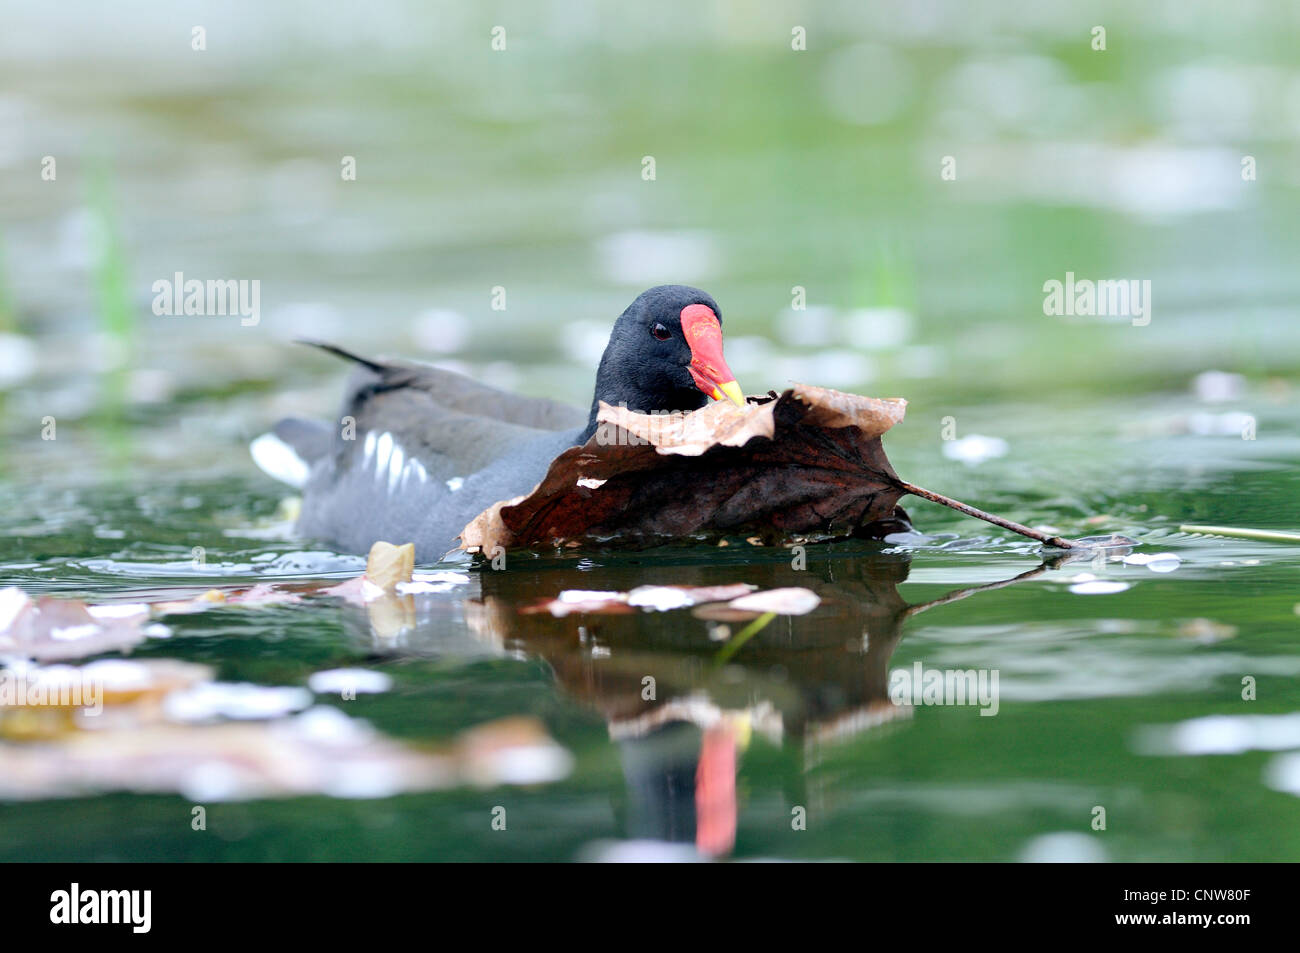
(774, 169)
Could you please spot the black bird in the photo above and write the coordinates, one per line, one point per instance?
(418, 452)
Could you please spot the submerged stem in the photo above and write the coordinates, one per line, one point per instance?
(979, 514)
(740, 638)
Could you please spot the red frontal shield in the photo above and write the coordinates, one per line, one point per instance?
(704, 335)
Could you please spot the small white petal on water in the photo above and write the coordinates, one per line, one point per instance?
(975, 449)
(216, 700)
(1283, 773)
(1158, 562)
(1218, 386)
(325, 724)
(1063, 848)
(1221, 734)
(341, 681)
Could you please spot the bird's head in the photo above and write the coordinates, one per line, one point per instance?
(665, 354)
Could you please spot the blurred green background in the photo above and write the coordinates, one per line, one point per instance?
(522, 169)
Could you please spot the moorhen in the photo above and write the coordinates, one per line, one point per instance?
(419, 452)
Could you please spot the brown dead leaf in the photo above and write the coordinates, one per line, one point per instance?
(809, 461)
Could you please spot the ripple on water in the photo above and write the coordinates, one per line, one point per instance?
(305, 563)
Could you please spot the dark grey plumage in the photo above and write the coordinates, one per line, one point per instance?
(427, 450)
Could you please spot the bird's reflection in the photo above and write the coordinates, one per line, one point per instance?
(682, 692)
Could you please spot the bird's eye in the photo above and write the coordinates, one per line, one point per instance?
(661, 332)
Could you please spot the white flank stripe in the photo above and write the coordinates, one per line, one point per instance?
(395, 465)
(384, 449)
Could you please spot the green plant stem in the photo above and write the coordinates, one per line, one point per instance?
(740, 638)
(1268, 535)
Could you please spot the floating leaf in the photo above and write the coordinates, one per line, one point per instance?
(171, 734)
(42, 702)
(358, 591)
(263, 594)
(223, 762)
(807, 462)
(810, 460)
(50, 629)
(200, 603)
(389, 565)
(389, 571)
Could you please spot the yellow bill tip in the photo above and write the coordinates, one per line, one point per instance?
(732, 390)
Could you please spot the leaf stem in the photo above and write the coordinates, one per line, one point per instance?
(979, 514)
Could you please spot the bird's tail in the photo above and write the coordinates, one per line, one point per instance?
(345, 354)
